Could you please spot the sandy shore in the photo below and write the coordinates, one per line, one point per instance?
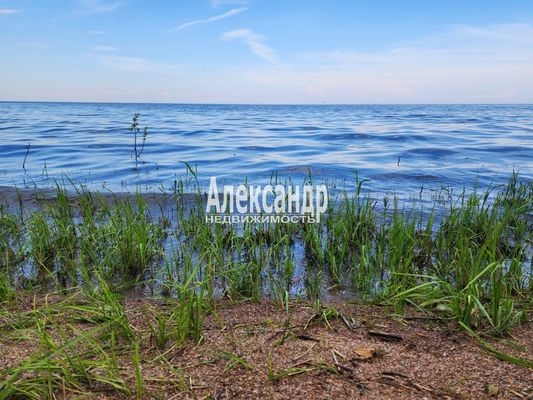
(250, 350)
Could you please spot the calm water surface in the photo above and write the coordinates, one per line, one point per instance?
(398, 148)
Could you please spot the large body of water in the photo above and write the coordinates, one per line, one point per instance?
(398, 148)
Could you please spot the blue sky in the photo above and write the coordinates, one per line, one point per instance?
(267, 51)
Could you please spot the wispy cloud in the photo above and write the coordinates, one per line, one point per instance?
(104, 48)
(498, 32)
(340, 57)
(6, 11)
(218, 3)
(33, 43)
(86, 8)
(124, 63)
(254, 42)
(463, 63)
(227, 14)
(131, 64)
(458, 47)
(95, 32)
(96, 6)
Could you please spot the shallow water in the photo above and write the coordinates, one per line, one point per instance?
(398, 148)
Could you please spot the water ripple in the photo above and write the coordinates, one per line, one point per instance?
(397, 147)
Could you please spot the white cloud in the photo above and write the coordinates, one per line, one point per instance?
(254, 42)
(218, 3)
(463, 64)
(466, 64)
(227, 14)
(461, 46)
(124, 63)
(104, 48)
(96, 6)
(498, 32)
(6, 11)
(95, 32)
(85, 8)
(130, 64)
(33, 43)
(342, 57)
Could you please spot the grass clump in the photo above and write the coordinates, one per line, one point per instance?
(467, 258)
(377, 250)
(130, 238)
(478, 269)
(69, 359)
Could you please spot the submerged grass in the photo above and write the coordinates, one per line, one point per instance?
(467, 258)
(377, 250)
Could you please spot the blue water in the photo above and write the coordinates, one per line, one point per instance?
(398, 148)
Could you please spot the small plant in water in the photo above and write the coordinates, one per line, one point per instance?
(134, 127)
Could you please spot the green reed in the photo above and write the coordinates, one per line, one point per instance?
(43, 247)
(65, 238)
(468, 257)
(383, 250)
(11, 253)
(134, 127)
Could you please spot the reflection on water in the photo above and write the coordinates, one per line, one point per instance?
(399, 148)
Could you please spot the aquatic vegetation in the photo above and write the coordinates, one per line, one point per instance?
(10, 252)
(132, 240)
(42, 246)
(376, 251)
(469, 258)
(134, 127)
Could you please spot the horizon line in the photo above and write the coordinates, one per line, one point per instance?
(266, 104)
